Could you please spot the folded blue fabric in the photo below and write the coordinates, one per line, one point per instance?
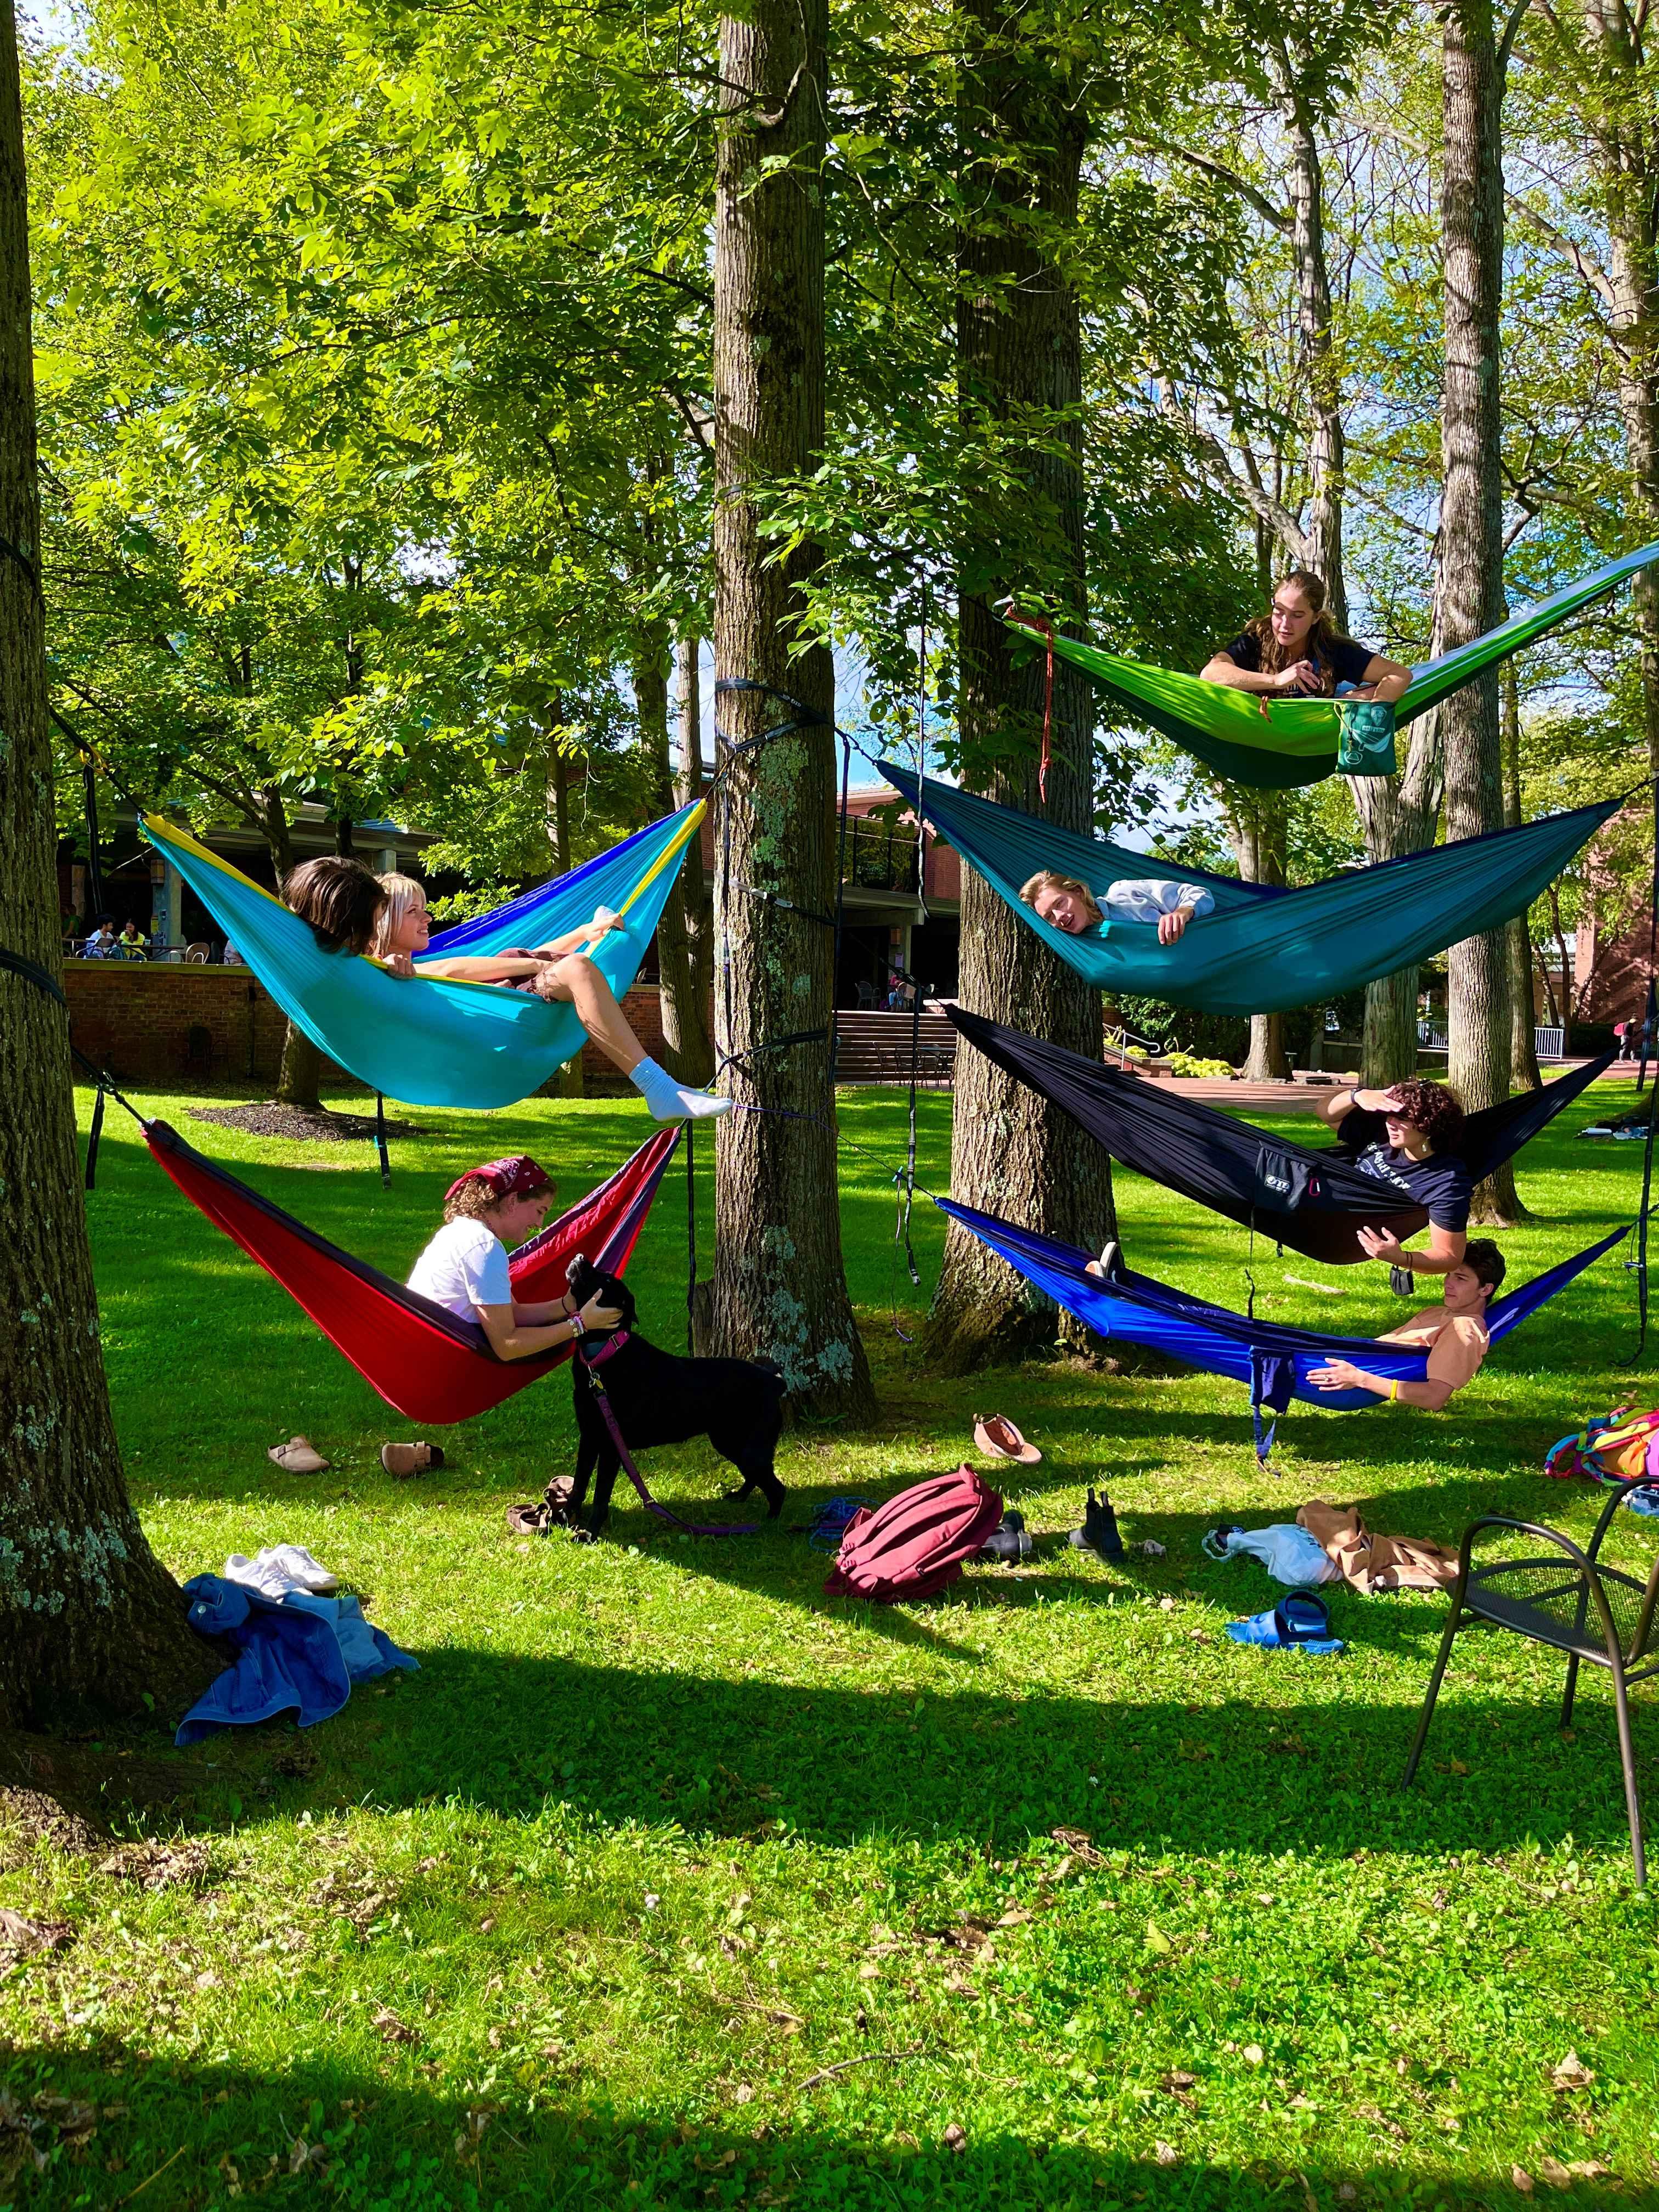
(298, 1655)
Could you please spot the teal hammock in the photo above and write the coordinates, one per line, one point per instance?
(427, 1042)
(1264, 948)
(1297, 741)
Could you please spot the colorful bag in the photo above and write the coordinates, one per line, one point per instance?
(916, 1543)
(1617, 1447)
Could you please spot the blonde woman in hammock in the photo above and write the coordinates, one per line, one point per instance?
(351, 909)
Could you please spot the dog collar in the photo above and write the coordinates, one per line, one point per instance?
(611, 1345)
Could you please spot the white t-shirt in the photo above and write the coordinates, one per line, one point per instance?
(465, 1267)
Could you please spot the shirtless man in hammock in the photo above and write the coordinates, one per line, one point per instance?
(1454, 1333)
(351, 909)
(1066, 903)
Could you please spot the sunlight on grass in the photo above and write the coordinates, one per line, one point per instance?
(670, 1880)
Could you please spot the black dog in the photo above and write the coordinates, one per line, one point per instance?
(657, 1399)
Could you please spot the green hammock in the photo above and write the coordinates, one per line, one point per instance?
(1264, 948)
(1297, 741)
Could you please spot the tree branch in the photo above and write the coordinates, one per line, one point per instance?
(1594, 277)
(1261, 503)
(1210, 167)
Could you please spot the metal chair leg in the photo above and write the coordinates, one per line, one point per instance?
(1435, 1680)
(1627, 1760)
(1572, 1685)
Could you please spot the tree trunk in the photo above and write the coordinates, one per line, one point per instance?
(1524, 1044)
(299, 1078)
(1626, 140)
(1258, 823)
(688, 782)
(1471, 566)
(688, 1051)
(1326, 454)
(780, 1286)
(88, 1618)
(1019, 353)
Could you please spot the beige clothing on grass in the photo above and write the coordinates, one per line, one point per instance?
(1457, 1343)
(1374, 1563)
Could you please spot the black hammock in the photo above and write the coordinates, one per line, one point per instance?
(1314, 1201)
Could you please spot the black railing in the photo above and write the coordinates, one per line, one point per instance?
(880, 860)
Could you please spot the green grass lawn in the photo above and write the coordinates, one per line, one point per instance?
(670, 1881)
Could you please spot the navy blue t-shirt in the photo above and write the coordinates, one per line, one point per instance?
(1440, 1184)
(1346, 660)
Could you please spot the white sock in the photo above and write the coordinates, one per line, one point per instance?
(668, 1101)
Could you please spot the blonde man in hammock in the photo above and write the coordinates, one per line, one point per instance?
(351, 909)
(1066, 903)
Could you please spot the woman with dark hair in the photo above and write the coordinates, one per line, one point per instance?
(352, 910)
(1402, 1136)
(1296, 648)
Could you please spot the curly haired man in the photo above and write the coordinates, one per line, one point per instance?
(1404, 1136)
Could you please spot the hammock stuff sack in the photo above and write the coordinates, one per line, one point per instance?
(1313, 1200)
(1264, 948)
(1271, 1359)
(426, 1042)
(1299, 740)
(420, 1358)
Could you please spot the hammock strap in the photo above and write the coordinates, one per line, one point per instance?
(690, 1238)
(777, 1044)
(379, 1142)
(789, 906)
(841, 906)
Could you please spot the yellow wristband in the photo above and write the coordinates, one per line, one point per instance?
(1393, 1388)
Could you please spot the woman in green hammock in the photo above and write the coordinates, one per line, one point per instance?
(1296, 648)
(351, 909)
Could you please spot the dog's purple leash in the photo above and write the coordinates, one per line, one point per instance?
(692, 1527)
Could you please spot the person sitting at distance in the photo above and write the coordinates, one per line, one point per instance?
(103, 943)
(1398, 1136)
(464, 1268)
(1296, 648)
(1066, 903)
(351, 909)
(1455, 1333)
(131, 943)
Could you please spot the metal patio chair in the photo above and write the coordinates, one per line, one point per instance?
(1573, 1602)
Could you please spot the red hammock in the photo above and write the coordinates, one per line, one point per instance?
(422, 1359)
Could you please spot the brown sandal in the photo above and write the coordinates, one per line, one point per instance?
(402, 1460)
(298, 1456)
(998, 1438)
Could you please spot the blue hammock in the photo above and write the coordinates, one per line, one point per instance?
(427, 1042)
(1272, 1358)
(1264, 948)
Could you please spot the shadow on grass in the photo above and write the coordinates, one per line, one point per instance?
(833, 1764)
(202, 2136)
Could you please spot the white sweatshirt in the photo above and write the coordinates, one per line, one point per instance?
(1144, 898)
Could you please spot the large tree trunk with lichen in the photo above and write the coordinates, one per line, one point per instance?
(90, 1620)
(1019, 355)
(780, 1288)
(1471, 566)
(688, 1051)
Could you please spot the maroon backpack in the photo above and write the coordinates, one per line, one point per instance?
(916, 1543)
